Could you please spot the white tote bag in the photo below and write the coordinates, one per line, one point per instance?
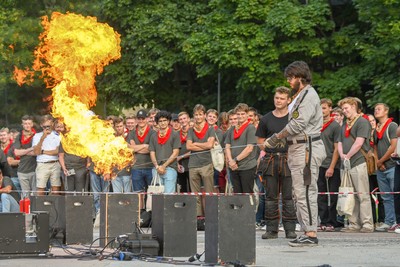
(154, 188)
(345, 203)
(217, 156)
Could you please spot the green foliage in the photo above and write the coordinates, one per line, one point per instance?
(173, 50)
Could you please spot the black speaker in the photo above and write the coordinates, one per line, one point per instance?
(78, 219)
(174, 224)
(55, 206)
(17, 238)
(230, 229)
(119, 214)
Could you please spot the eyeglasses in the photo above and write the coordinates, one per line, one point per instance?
(289, 78)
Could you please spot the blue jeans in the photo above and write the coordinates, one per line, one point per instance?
(122, 184)
(260, 215)
(8, 203)
(386, 184)
(98, 185)
(141, 179)
(17, 184)
(168, 179)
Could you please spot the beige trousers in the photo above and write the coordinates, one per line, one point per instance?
(305, 197)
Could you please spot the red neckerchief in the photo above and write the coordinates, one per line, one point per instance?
(237, 134)
(365, 116)
(347, 129)
(141, 138)
(25, 140)
(7, 147)
(162, 140)
(215, 127)
(203, 132)
(382, 131)
(326, 125)
(183, 138)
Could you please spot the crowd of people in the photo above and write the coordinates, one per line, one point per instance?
(299, 149)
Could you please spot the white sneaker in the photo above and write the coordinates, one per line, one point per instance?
(298, 227)
(382, 228)
(281, 228)
(97, 220)
(397, 231)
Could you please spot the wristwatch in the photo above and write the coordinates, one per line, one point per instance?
(236, 160)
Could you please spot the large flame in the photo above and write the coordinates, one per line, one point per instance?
(73, 50)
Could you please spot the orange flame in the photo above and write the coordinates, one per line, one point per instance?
(23, 76)
(73, 50)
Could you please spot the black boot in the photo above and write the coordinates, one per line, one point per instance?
(270, 235)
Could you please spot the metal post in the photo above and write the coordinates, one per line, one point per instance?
(219, 93)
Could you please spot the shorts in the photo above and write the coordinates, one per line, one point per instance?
(46, 171)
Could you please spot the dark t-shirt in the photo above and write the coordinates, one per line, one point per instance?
(163, 152)
(5, 168)
(248, 137)
(6, 182)
(184, 162)
(384, 143)
(200, 158)
(142, 160)
(361, 128)
(12, 169)
(270, 124)
(27, 163)
(330, 136)
(73, 161)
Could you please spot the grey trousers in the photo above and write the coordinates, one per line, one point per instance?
(305, 197)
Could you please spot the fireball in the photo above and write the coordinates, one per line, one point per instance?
(73, 50)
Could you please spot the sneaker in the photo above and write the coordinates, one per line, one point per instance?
(298, 227)
(270, 235)
(260, 226)
(382, 228)
(304, 241)
(397, 231)
(291, 234)
(393, 228)
(281, 229)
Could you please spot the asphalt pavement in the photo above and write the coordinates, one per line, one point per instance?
(334, 249)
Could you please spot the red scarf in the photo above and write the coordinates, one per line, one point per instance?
(365, 116)
(203, 132)
(7, 147)
(326, 125)
(382, 131)
(126, 133)
(215, 127)
(164, 139)
(141, 138)
(25, 140)
(237, 134)
(183, 138)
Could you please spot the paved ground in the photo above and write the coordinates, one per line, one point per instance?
(335, 249)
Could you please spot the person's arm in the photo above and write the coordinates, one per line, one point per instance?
(206, 145)
(7, 189)
(62, 162)
(22, 152)
(355, 147)
(335, 157)
(52, 152)
(192, 146)
(260, 142)
(231, 162)
(12, 161)
(340, 150)
(245, 152)
(141, 148)
(386, 156)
